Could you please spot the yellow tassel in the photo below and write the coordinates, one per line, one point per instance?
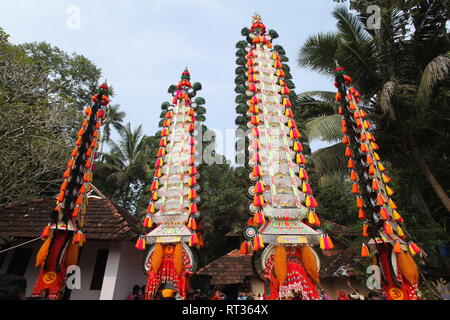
(157, 257)
(392, 204)
(309, 262)
(280, 263)
(389, 191)
(43, 252)
(407, 267)
(178, 258)
(400, 232)
(311, 219)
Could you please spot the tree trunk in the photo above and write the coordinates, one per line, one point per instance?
(429, 176)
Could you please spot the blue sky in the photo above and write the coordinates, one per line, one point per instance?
(143, 46)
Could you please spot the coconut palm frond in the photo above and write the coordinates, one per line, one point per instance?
(334, 178)
(324, 95)
(318, 53)
(349, 25)
(330, 160)
(327, 128)
(438, 69)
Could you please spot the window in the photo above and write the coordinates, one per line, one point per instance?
(99, 269)
(19, 261)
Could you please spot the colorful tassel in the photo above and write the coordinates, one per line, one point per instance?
(148, 222)
(244, 248)
(364, 251)
(413, 248)
(46, 232)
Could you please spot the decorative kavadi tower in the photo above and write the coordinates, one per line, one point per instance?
(284, 220)
(63, 236)
(173, 202)
(382, 224)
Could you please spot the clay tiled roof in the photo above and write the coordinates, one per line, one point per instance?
(231, 268)
(104, 220)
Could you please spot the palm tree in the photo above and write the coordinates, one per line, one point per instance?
(125, 167)
(397, 71)
(114, 119)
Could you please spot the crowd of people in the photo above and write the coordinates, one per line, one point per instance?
(14, 287)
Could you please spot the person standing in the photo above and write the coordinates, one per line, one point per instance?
(135, 293)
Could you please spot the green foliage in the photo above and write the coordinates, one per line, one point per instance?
(240, 120)
(241, 61)
(241, 108)
(224, 206)
(41, 90)
(200, 110)
(197, 86)
(172, 88)
(240, 79)
(123, 170)
(241, 53)
(241, 44)
(279, 49)
(245, 31)
(200, 100)
(241, 98)
(401, 71)
(241, 70)
(240, 89)
(273, 34)
(72, 78)
(164, 105)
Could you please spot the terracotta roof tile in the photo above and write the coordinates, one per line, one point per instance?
(229, 269)
(104, 220)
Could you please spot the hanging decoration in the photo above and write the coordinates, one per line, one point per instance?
(63, 236)
(383, 227)
(173, 215)
(283, 209)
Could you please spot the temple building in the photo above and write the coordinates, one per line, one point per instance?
(109, 265)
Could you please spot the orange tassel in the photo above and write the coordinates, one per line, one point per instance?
(157, 257)
(364, 251)
(359, 203)
(364, 233)
(309, 262)
(43, 253)
(397, 247)
(244, 248)
(407, 267)
(72, 254)
(178, 258)
(280, 263)
(350, 164)
(361, 214)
